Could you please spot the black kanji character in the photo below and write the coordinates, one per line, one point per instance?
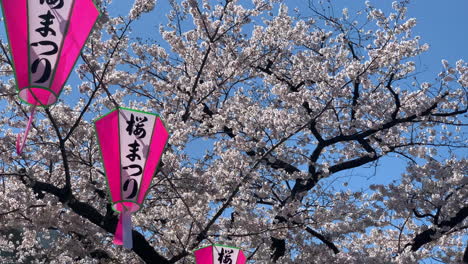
(47, 21)
(134, 147)
(130, 124)
(139, 131)
(53, 2)
(47, 43)
(47, 69)
(136, 125)
(134, 166)
(224, 256)
(134, 187)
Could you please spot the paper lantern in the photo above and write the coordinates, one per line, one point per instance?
(46, 38)
(220, 254)
(131, 144)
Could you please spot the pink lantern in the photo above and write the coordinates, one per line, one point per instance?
(131, 144)
(46, 38)
(220, 254)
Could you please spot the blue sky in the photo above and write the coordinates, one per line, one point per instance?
(442, 24)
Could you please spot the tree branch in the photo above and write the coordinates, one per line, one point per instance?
(443, 227)
(108, 222)
(323, 239)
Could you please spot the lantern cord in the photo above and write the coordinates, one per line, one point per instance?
(127, 229)
(21, 141)
(123, 232)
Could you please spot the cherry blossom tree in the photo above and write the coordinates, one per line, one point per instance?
(265, 108)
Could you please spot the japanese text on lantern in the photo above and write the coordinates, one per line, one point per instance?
(47, 22)
(135, 136)
(225, 256)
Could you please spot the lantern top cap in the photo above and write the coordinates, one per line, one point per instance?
(217, 245)
(125, 108)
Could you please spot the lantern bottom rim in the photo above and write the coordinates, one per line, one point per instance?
(37, 95)
(130, 206)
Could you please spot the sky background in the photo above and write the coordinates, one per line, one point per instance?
(441, 24)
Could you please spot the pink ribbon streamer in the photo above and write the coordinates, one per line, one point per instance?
(20, 143)
(118, 236)
(123, 232)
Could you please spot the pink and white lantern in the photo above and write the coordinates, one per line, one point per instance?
(220, 254)
(131, 144)
(46, 38)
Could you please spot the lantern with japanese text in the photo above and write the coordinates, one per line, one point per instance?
(219, 254)
(131, 144)
(46, 38)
